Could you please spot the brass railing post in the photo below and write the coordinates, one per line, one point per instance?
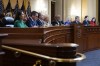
(38, 63)
(52, 63)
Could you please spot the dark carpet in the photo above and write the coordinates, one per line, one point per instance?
(92, 59)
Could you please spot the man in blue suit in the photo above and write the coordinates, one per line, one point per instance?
(32, 21)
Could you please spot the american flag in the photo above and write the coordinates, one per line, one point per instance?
(9, 8)
(23, 7)
(29, 9)
(16, 8)
(1, 7)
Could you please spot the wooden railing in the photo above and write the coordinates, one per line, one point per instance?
(45, 55)
(70, 60)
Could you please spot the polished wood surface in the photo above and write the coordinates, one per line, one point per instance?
(91, 37)
(56, 34)
(23, 35)
(1, 37)
(2, 52)
(1, 57)
(86, 37)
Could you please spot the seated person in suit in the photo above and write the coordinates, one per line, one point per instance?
(1, 22)
(86, 21)
(32, 21)
(93, 22)
(68, 22)
(8, 20)
(57, 21)
(40, 20)
(77, 20)
(46, 21)
(19, 20)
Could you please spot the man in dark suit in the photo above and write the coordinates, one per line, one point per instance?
(86, 21)
(32, 21)
(57, 21)
(77, 20)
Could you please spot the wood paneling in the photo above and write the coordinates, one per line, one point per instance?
(57, 34)
(86, 37)
(89, 39)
